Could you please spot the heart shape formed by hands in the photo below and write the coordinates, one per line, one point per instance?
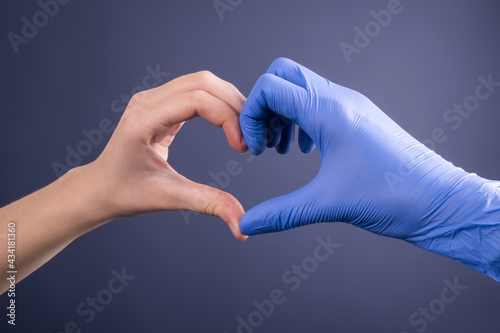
(373, 174)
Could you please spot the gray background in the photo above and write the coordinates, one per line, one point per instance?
(196, 277)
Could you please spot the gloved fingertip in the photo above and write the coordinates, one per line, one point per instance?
(272, 141)
(256, 150)
(306, 144)
(283, 149)
(251, 226)
(246, 226)
(306, 149)
(255, 144)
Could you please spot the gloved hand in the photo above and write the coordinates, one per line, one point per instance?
(373, 174)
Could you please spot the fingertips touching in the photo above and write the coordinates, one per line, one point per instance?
(234, 135)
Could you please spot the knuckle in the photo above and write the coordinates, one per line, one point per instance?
(133, 113)
(205, 77)
(139, 97)
(217, 204)
(210, 206)
(281, 63)
(134, 110)
(264, 78)
(265, 81)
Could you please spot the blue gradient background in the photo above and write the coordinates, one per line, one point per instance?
(196, 277)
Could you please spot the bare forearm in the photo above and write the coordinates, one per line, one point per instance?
(47, 221)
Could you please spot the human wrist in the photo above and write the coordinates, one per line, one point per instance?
(82, 198)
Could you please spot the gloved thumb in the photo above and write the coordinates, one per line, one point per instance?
(282, 213)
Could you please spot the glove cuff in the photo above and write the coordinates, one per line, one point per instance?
(471, 232)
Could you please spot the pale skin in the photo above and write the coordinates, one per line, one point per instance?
(132, 176)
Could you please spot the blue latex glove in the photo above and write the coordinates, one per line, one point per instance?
(373, 174)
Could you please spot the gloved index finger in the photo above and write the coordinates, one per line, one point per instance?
(294, 72)
(270, 94)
